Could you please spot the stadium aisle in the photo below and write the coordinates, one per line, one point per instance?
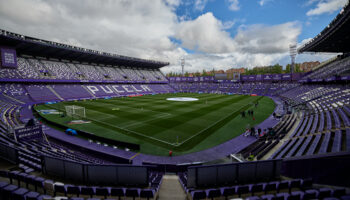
(171, 188)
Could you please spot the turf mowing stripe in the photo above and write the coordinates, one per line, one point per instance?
(207, 132)
(122, 125)
(223, 108)
(144, 121)
(119, 114)
(124, 104)
(160, 101)
(193, 113)
(134, 132)
(184, 115)
(236, 104)
(153, 130)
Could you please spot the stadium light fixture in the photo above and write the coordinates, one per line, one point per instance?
(182, 62)
(293, 53)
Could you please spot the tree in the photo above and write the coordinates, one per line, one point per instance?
(297, 68)
(287, 69)
(204, 73)
(276, 69)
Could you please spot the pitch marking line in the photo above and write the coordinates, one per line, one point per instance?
(199, 132)
(137, 108)
(141, 122)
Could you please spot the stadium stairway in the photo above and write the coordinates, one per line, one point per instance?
(171, 188)
(53, 91)
(88, 91)
(13, 99)
(273, 150)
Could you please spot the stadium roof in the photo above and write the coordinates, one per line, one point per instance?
(334, 38)
(43, 48)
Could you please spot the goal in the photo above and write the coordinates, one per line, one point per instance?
(75, 111)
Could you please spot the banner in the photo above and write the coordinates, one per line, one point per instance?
(251, 77)
(267, 77)
(333, 78)
(277, 77)
(29, 133)
(345, 78)
(8, 58)
(259, 77)
(244, 77)
(286, 77)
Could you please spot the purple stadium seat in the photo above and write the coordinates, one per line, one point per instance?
(132, 192)
(29, 180)
(338, 192)
(3, 184)
(44, 197)
(19, 194)
(39, 182)
(270, 187)
(213, 193)
(242, 189)
(6, 191)
(73, 190)
(228, 191)
(253, 198)
(281, 196)
(311, 194)
(117, 192)
(32, 195)
(147, 193)
(306, 183)
(102, 191)
(296, 183)
(86, 190)
(282, 185)
(58, 188)
(198, 194)
(13, 175)
(331, 198)
(267, 197)
(257, 188)
(325, 192)
(345, 197)
(298, 194)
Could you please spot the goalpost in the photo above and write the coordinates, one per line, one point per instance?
(75, 111)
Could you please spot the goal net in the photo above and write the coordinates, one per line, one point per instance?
(75, 111)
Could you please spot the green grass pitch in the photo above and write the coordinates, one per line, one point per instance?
(158, 125)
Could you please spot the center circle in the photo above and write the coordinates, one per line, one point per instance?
(182, 99)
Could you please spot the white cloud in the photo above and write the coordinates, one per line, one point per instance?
(173, 3)
(228, 24)
(142, 29)
(234, 5)
(263, 2)
(326, 6)
(200, 4)
(205, 34)
(133, 28)
(267, 39)
(309, 2)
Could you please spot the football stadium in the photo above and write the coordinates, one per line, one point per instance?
(84, 124)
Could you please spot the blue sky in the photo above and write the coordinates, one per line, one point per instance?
(271, 12)
(209, 34)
